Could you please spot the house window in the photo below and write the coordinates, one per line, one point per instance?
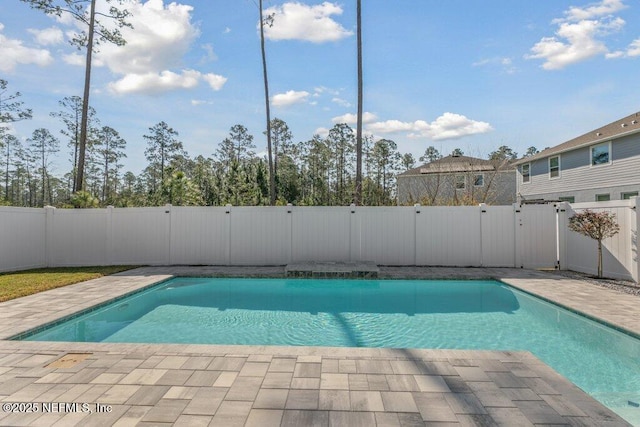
(570, 199)
(628, 195)
(526, 172)
(601, 154)
(603, 197)
(554, 167)
(460, 182)
(478, 180)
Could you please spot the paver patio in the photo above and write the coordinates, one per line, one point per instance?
(191, 385)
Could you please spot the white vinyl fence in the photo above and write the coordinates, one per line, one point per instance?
(619, 253)
(22, 238)
(528, 236)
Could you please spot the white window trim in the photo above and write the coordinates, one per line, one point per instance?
(603, 194)
(522, 173)
(559, 167)
(464, 182)
(628, 192)
(474, 180)
(591, 154)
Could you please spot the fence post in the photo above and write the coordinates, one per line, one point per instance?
(167, 257)
(109, 235)
(290, 219)
(354, 236)
(227, 211)
(49, 212)
(517, 234)
(562, 212)
(483, 210)
(417, 208)
(635, 244)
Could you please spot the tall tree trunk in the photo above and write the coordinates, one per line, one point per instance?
(599, 258)
(358, 192)
(272, 177)
(44, 171)
(105, 181)
(79, 185)
(76, 143)
(6, 177)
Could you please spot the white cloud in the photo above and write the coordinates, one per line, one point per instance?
(634, 48)
(506, 64)
(341, 101)
(160, 37)
(210, 54)
(154, 83)
(447, 126)
(150, 61)
(297, 21)
(48, 36)
(322, 132)
(604, 8)
(353, 119)
(79, 59)
(579, 35)
(13, 52)
(215, 81)
(197, 102)
(75, 59)
(289, 98)
(392, 126)
(317, 91)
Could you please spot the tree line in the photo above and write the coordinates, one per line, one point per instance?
(318, 171)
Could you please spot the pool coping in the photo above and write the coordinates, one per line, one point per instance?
(484, 369)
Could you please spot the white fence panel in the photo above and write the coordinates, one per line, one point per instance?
(260, 235)
(530, 236)
(78, 237)
(200, 235)
(140, 236)
(448, 236)
(498, 236)
(536, 236)
(22, 238)
(321, 234)
(619, 253)
(385, 235)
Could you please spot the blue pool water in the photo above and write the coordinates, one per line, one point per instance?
(372, 313)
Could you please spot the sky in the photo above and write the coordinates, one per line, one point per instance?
(456, 74)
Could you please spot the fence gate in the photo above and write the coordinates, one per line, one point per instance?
(536, 236)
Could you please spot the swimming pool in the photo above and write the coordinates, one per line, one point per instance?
(371, 313)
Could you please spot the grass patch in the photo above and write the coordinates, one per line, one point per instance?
(22, 283)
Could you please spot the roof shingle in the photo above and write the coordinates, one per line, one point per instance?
(456, 164)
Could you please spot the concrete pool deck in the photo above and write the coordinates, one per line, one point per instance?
(191, 385)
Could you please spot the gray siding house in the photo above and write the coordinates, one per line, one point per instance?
(601, 165)
(458, 180)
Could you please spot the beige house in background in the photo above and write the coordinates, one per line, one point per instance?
(458, 180)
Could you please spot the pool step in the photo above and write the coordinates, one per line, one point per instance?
(321, 270)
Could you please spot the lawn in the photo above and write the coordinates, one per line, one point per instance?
(22, 283)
